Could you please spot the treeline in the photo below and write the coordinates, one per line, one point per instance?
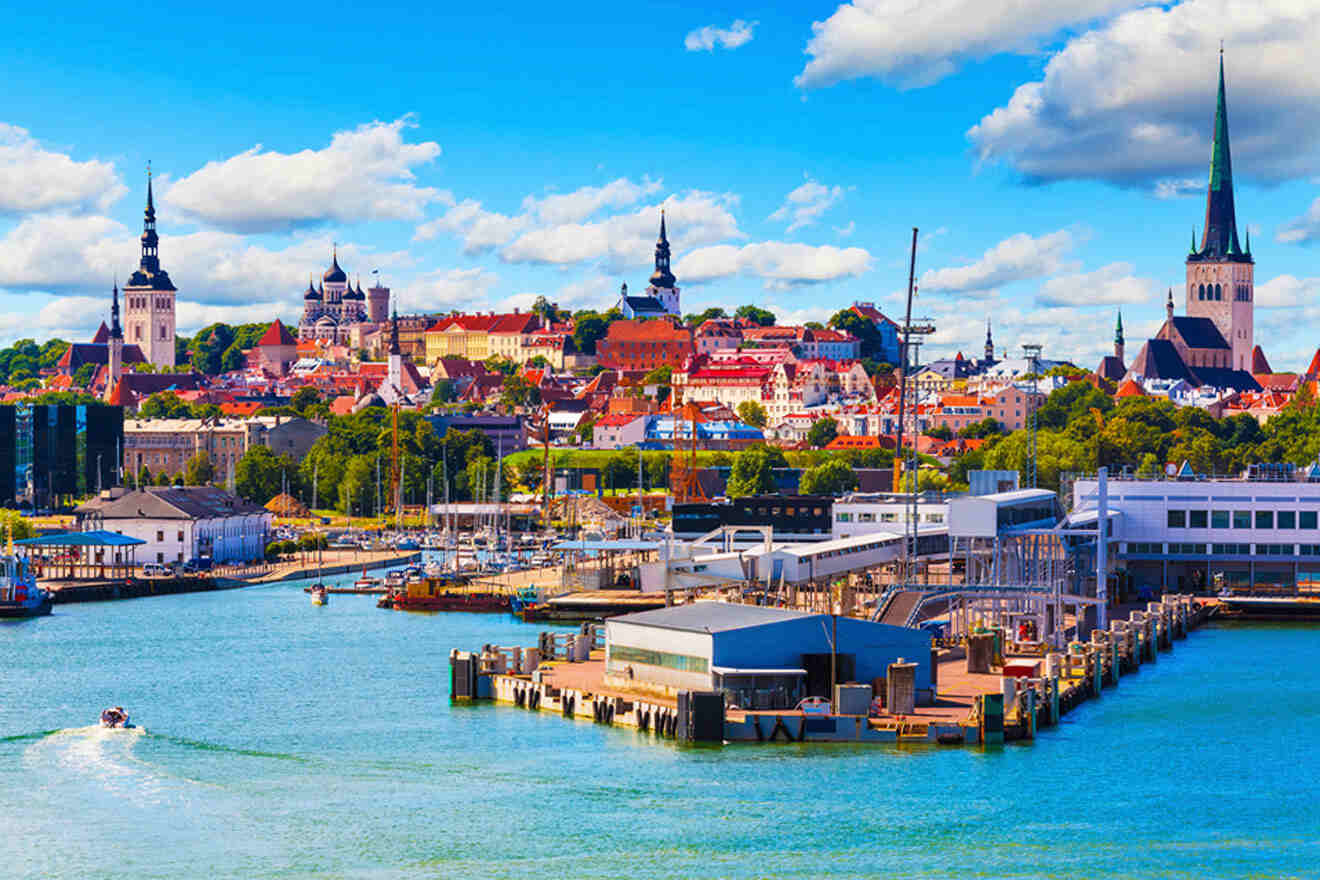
(22, 362)
(1080, 429)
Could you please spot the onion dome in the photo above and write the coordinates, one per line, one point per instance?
(350, 293)
(312, 292)
(335, 275)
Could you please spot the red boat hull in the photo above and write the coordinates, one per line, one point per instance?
(484, 602)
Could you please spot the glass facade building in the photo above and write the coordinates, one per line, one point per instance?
(55, 452)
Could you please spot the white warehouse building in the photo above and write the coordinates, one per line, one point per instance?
(1193, 535)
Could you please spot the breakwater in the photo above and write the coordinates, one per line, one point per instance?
(984, 696)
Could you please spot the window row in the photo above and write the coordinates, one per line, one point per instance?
(1242, 519)
(1145, 548)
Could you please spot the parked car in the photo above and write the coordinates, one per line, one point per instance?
(155, 569)
(203, 563)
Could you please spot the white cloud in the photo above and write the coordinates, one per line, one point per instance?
(1017, 258)
(36, 179)
(1177, 188)
(846, 230)
(582, 203)
(482, 230)
(706, 39)
(919, 42)
(1132, 103)
(781, 264)
(1109, 285)
(805, 205)
(1301, 230)
(62, 252)
(56, 253)
(623, 240)
(364, 174)
(1288, 292)
(192, 316)
(445, 289)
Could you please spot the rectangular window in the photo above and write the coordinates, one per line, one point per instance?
(1242, 519)
(683, 662)
(160, 536)
(1264, 519)
(1287, 519)
(1196, 519)
(180, 534)
(1306, 519)
(1219, 519)
(1177, 519)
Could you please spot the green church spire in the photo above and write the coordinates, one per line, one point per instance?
(1220, 237)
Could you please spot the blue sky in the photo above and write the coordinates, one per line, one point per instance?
(1055, 159)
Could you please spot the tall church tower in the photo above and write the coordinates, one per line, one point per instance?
(115, 347)
(1220, 273)
(664, 286)
(149, 297)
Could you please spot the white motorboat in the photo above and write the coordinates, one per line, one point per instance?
(320, 595)
(115, 717)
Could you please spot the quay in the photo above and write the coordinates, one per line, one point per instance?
(229, 578)
(985, 688)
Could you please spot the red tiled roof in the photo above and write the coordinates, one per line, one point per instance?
(276, 334)
(1258, 362)
(102, 334)
(1129, 389)
(240, 408)
(846, 441)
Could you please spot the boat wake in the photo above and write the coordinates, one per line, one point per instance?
(104, 761)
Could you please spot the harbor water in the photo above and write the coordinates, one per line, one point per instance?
(278, 739)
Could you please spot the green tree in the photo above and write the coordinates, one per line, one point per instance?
(868, 337)
(756, 313)
(753, 471)
(586, 430)
(711, 314)
(164, 405)
(199, 470)
(822, 432)
(323, 469)
(143, 477)
(832, 477)
(588, 329)
(443, 392)
(357, 489)
(516, 391)
(208, 348)
(83, 375)
(940, 432)
(260, 474)
(751, 413)
(304, 398)
(988, 427)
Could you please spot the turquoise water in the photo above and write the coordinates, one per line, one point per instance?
(283, 740)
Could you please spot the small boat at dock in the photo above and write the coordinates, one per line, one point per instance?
(442, 594)
(19, 594)
(320, 595)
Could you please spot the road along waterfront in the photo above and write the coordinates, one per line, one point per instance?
(283, 740)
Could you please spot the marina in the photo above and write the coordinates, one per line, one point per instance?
(292, 760)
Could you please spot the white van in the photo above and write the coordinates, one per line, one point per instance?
(155, 569)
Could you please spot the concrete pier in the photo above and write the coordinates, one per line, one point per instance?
(565, 674)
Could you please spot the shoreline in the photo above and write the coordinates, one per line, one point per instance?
(67, 592)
